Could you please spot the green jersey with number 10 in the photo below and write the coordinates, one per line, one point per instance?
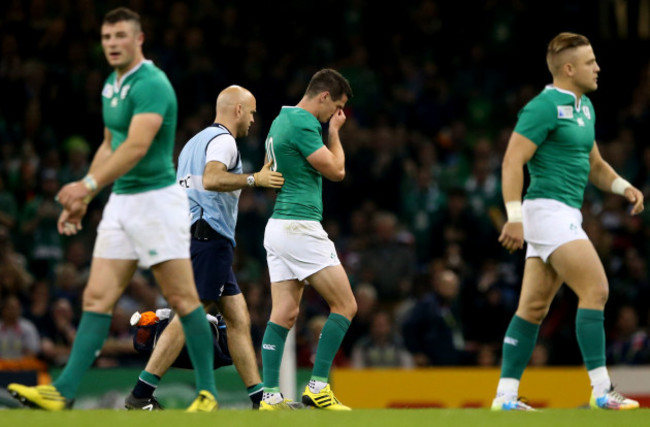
(295, 134)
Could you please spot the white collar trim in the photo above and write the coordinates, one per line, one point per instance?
(118, 81)
(576, 102)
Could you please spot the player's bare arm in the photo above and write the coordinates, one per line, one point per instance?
(101, 156)
(103, 152)
(217, 178)
(330, 161)
(520, 150)
(603, 176)
(142, 130)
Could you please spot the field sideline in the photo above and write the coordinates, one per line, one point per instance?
(313, 418)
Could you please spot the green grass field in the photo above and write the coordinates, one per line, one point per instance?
(314, 418)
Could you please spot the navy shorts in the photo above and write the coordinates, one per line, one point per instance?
(212, 264)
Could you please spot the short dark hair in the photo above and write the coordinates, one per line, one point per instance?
(122, 14)
(328, 80)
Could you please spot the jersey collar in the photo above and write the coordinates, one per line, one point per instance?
(220, 126)
(118, 82)
(576, 102)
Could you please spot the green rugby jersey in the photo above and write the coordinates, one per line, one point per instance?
(564, 133)
(145, 89)
(294, 135)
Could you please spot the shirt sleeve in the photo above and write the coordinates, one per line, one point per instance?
(308, 140)
(536, 120)
(222, 149)
(148, 96)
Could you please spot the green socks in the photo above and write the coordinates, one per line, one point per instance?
(272, 349)
(518, 346)
(521, 337)
(273, 346)
(198, 340)
(330, 340)
(590, 331)
(93, 330)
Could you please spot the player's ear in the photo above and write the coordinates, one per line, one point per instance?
(324, 96)
(569, 69)
(139, 34)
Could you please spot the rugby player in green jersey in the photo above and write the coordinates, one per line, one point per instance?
(298, 249)
(554, 136)
(145, 222)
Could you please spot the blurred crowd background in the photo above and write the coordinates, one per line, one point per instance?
(437, 88)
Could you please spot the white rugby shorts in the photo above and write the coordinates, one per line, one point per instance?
(151, 227)
(296, 249)
(549, 224)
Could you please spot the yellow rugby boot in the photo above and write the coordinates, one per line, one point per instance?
(204, 402)
(283, 405)
(323, 400)
(41, 397)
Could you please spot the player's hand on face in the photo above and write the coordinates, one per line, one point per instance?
(72, 193)
(337, 120)
(268, 178)
(69, 222)
(512, 236)
(635, 196)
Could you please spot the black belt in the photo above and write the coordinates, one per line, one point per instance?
(201, 230)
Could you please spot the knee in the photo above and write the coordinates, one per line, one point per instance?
(286, 317)
(96, 301)
(351, 309)
(347, 308)
(174, 300)
(239, 322)
(182, 303)
(292, 316)
(598, 295)
(534, 311)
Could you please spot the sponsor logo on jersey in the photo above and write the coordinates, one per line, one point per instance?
(586, 111)
(107, 92)
(114, 102)
(580, 121)
(564, 112)
(268, 347)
